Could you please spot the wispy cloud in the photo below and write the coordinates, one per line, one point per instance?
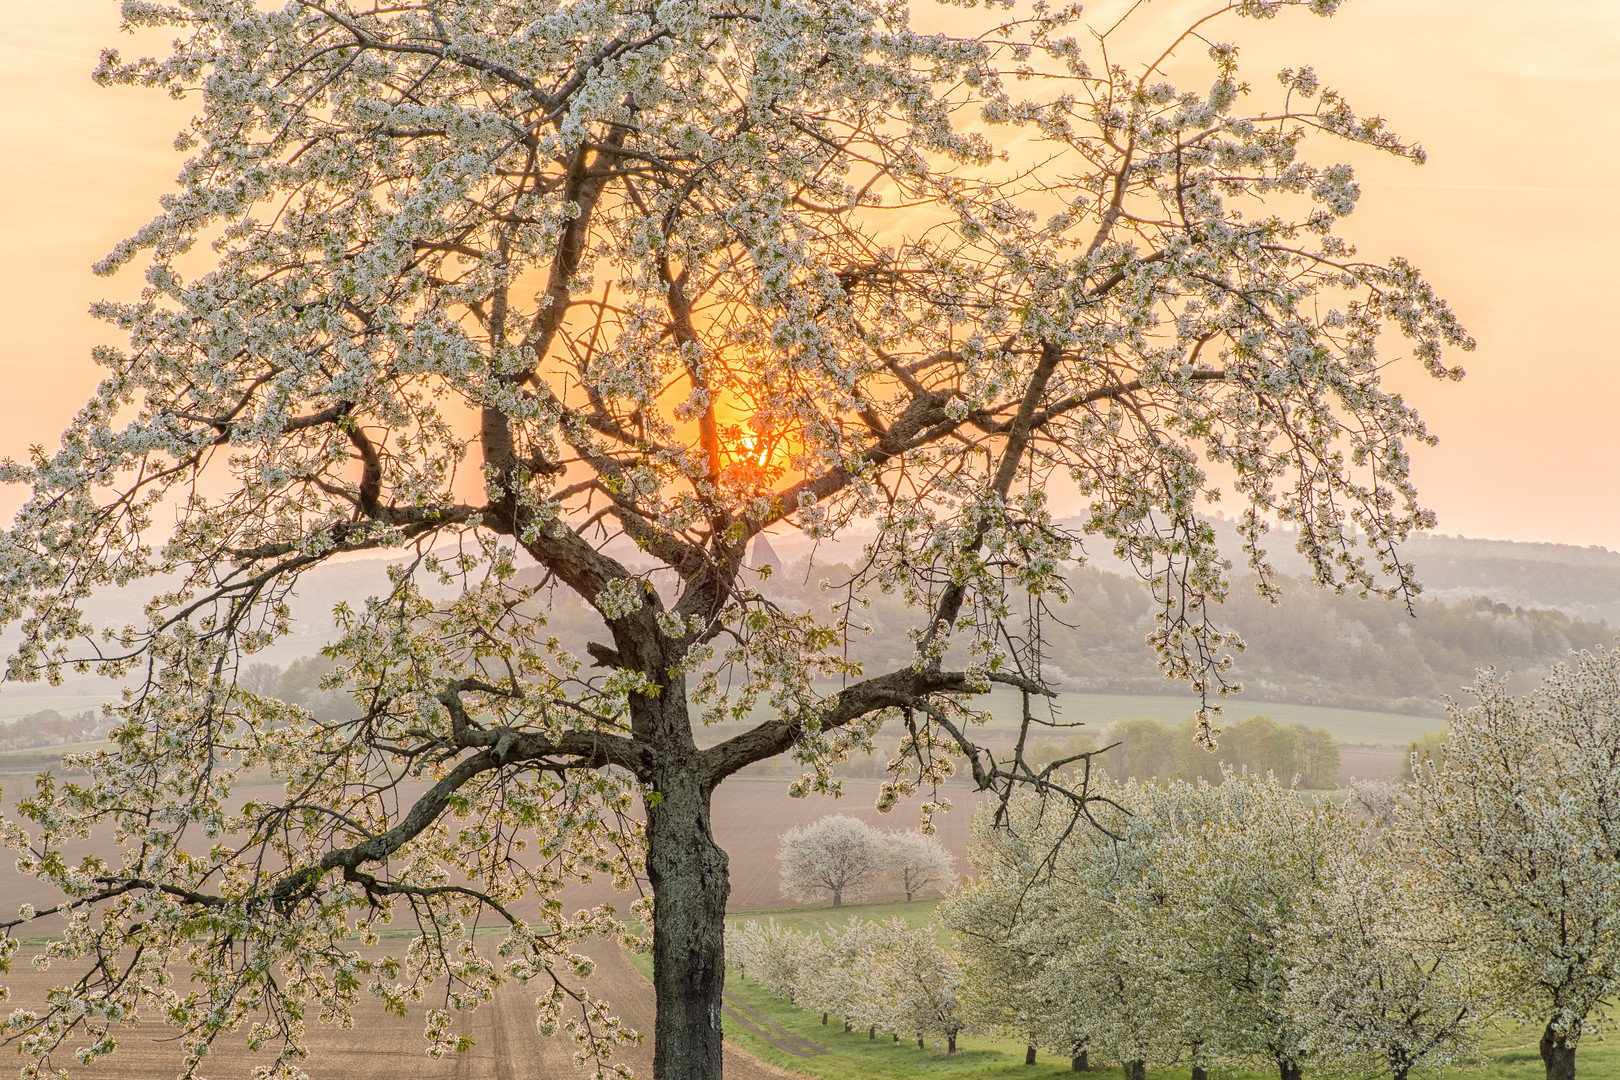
(26, 50)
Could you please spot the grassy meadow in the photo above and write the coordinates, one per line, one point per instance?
(1509, 1051)
(1097, 711)
(1355, 727)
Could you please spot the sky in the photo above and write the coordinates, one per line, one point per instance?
(1515, 220)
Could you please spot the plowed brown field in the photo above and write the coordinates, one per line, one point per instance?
(750, 815)
(505, 1043)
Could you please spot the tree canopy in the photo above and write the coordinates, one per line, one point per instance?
(609, 289)
(1519, 817)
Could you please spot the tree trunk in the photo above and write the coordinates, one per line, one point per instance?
(838, 898)
(846, 1025)
(897, 1038)
(1558, 1054)
(871, 1033)
(919, 1042)
(1289, 1069)
(688, 873)
(1029, 1054)
(950, 1044)
(823, 1019)
(1200, 1073)
(1081, 1062)
(1136, 1070)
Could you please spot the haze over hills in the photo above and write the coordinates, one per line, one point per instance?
(1580, 581)
(1514, 605)
(1583, 581)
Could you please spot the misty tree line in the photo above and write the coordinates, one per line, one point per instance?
(48, 727)
(1314, 648)
(1244, 923)
(1146, 748)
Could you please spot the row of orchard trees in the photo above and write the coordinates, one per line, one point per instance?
(888, 977)
(1228, 924)
(1190, 923)
(1239, 922)
(1205, 924)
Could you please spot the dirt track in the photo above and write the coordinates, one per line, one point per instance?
(505, 1043)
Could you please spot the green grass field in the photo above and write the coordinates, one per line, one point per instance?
(16, 701)
(42, 758)
(1509, 1051)
(1097, 711)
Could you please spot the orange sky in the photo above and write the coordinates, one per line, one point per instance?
(1513, 219)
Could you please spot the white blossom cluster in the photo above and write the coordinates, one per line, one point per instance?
(607, 290)
(1231, 925)
(839, 857)
(888, 977)
(1520, 822)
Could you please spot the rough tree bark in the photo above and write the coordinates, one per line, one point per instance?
(687, 870)
(1558, 1054)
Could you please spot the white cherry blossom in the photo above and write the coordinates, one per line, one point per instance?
(554, 293)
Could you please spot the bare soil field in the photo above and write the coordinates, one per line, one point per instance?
(750, 815)
(384, 1047)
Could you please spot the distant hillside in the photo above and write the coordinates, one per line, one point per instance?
(1581, 581)
(1313, 648)
(1516, 606)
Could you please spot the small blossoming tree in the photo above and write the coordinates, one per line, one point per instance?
(837, 857)
(602, 292)
(917, 862)
(1520, 821)
(1225, 894)
(986, 917)
(906, 984)
(1381, 978)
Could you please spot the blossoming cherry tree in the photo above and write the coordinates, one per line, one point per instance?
(552, 294)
